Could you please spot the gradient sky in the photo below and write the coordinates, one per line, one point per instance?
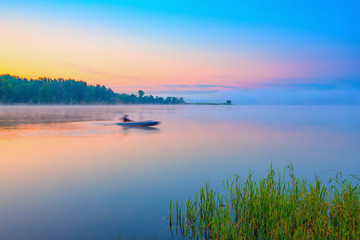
(252, 52)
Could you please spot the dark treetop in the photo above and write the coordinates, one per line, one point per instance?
(15, 90)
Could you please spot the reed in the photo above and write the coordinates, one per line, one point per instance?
(276, 206)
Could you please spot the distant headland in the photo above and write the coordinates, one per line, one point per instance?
(16, 90)
(228, 102)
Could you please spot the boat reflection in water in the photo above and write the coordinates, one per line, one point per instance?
(146, 128)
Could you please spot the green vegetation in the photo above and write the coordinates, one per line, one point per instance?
(273, 207)
(15, 90)
(228, 102)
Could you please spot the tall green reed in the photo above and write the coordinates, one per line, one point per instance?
(276, 206)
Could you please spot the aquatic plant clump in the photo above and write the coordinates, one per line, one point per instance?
(276, 206)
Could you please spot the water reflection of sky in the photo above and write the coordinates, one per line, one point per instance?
(80, 176)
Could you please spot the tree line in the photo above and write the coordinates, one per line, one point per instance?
(15, 90)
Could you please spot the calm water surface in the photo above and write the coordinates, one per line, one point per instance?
(71, 173)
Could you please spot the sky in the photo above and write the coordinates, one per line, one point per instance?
(251, 52)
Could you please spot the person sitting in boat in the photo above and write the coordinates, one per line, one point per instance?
(126, 119)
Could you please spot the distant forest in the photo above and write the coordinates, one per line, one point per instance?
(14, 90)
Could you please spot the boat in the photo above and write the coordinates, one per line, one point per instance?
(138, 124)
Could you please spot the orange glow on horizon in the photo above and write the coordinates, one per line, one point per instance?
(33, 50)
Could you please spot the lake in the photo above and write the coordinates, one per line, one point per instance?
(72, 173)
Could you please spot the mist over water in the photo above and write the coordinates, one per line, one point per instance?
(72, 173)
